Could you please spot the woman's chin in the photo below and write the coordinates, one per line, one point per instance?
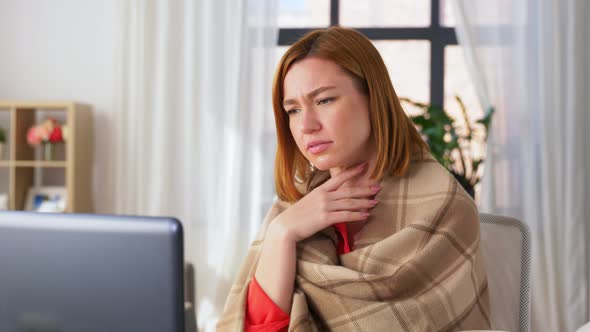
(327, 162)
(336, 166)
(324, 165)
(321, 168)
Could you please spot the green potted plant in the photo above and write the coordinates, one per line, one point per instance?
(451, 143)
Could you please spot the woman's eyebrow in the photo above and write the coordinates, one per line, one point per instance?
(309, 95)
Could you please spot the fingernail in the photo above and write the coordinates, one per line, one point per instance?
(375, 188)
(373, 202)
(362, 166)
(365, 214)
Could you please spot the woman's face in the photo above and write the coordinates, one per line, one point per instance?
(328, 115)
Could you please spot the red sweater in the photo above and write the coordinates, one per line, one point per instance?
(262, 314)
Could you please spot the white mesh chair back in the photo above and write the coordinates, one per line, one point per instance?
(506, 249)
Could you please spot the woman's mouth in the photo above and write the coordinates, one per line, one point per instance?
(319, 147)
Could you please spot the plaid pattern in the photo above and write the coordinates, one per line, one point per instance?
(416, 264)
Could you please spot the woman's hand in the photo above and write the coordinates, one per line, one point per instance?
(330, 203)
(326, 205)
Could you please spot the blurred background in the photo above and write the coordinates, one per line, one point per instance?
(180, 97)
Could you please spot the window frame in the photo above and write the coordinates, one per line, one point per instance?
(439, 37)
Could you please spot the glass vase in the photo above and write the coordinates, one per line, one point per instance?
(48, 151)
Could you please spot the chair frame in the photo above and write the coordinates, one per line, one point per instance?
(525, 282)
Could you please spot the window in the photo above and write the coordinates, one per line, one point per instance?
(416, 39)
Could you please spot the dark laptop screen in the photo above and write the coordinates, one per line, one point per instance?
(74, 272)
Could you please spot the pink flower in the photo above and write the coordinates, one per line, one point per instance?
(33, 137)
(49, 131)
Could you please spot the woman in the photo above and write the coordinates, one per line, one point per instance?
(370, 232)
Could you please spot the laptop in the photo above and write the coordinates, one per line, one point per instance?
(87, 272)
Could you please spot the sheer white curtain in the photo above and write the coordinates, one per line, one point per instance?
(194, 132)
(531, 61)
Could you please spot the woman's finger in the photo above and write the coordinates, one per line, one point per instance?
(338, 180)
(347, 216)
(351, 204)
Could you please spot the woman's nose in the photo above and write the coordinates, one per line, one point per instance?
(309, 122)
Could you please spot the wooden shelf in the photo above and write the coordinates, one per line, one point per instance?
(45, 105)
(34, 163)
(39, 163)
(74, 161)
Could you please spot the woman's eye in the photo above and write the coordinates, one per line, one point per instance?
(292, 111)
(324, 101)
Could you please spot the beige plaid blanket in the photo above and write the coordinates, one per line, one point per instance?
(416, 264)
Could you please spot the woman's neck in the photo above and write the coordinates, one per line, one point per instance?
(364, 178)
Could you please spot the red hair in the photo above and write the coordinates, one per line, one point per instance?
(393, 132)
